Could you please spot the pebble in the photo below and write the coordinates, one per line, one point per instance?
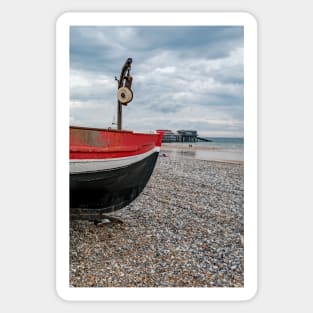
(184, 230)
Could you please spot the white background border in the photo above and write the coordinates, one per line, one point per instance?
(28, 168)
(250, 157)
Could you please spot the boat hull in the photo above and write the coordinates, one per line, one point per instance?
(109, 169)
(111, 189)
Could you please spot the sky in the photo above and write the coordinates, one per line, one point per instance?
(184, 77)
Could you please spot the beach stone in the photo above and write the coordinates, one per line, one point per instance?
(184, 230)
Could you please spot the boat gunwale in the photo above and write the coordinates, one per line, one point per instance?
(114, 130)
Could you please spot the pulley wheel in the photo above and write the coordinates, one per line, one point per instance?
(124, 95)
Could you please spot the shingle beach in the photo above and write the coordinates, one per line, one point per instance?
(184, 230)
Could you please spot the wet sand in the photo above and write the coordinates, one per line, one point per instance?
(209, 153)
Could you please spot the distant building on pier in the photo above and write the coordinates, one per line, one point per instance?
(188, 135)
(169, 136)
(180, 135)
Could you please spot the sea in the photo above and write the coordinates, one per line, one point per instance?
(219, 149)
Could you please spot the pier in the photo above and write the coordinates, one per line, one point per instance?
(182, 136)
(187, 135)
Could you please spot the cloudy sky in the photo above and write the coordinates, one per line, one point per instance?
(183, 77)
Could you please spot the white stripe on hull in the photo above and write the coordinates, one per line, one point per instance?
(91, 165)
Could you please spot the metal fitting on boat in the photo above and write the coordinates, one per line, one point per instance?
(124, 95)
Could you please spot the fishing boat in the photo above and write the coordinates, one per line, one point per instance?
(109, 168)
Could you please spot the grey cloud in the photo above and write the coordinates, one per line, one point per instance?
(175, 69)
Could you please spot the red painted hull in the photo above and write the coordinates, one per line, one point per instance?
(110, 168)
(93, 143)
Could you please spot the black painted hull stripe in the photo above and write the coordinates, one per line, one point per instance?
(110, 190)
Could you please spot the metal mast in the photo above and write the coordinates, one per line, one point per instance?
(124, 92)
